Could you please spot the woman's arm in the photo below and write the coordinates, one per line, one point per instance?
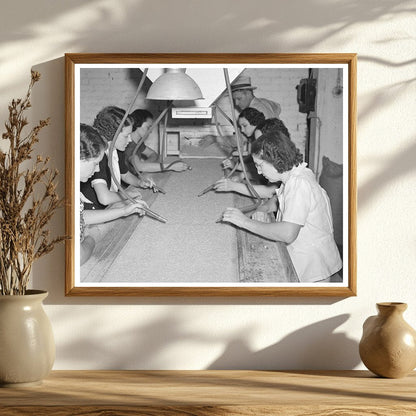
(227, 185)
(104, 195)
(107, 197)
(269, 205)
(98, 216)
(150, 154)
(137, 182)
(144, 166)
(286, 232)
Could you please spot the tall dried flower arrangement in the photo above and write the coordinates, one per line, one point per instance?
(28, 200)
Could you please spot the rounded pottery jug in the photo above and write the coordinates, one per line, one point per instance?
(27, 346)
(388, 345)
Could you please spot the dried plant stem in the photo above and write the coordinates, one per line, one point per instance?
(24, 216)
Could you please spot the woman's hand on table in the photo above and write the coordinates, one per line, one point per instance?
(235, 216)
(223, 185)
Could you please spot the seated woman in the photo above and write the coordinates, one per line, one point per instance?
(271, 125)
(146, 159)
(92, 148)
(268, 205)
(101, 189)
(248, 121)
(304, 220)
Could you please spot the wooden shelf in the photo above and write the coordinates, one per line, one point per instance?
(253, 393)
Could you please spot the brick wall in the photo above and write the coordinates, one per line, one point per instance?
(278, 85)
(117, 86)
(101, 87)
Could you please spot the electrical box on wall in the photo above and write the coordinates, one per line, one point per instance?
(306, 95)
(192, 112)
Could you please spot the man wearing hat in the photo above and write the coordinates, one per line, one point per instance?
(243, 97)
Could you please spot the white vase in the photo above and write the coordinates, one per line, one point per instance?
(27, 346)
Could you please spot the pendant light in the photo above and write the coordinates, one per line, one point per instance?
(174, 84)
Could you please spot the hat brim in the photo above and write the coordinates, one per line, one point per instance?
(234, 89)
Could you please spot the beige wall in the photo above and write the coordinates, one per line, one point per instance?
(192, 333)
(326, 121)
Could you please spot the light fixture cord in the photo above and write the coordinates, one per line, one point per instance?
(148, 211)
(239, 149)
(221, 134)
(164, 137)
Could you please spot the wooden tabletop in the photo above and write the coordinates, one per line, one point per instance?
(253, 393)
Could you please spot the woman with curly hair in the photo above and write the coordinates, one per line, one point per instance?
(270, 125)
(262, 126)
(92, 148)
(304, 220)
(101, 188)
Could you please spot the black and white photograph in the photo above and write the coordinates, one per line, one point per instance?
(191, 175)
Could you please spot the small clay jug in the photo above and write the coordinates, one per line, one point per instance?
(27, 346)
(388, 345)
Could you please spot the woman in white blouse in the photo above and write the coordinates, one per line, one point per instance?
(304, 220)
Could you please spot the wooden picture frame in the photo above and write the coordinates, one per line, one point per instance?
(97, 80)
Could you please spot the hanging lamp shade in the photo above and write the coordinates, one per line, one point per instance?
(174, 84)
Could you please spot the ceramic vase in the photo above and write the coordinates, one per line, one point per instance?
(27, 347)
(388, 345)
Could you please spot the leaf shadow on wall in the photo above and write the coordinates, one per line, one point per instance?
(395, 168)
(151, 345)
(215, 26)
(131, 346)
(316, 346)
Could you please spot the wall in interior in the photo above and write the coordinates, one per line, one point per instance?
(195, 333)
(102, 87)
(117, 86)
(329, 114)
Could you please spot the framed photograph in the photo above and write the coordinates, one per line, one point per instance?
(211, 174)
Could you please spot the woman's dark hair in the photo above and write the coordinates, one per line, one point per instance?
(107, 121)
(91, 143)
(139, 116)
(276, 148)
(253, 116)
(273, 124)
